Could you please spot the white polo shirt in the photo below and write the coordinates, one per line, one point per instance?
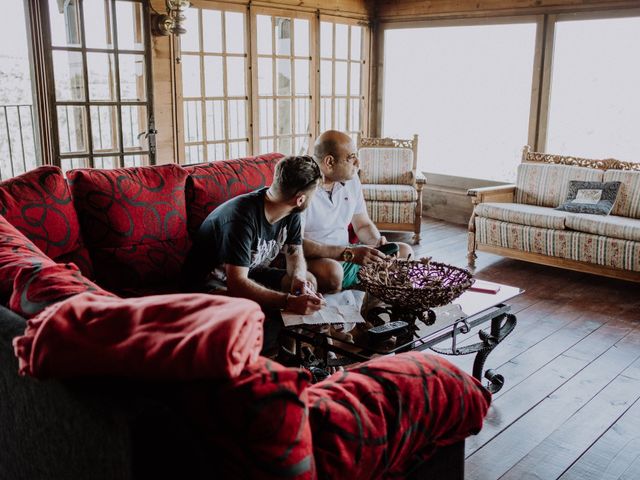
(326, 220)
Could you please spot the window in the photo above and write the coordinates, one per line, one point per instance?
(342, 76)
(214, 85)
(18, 151)
(594, 108)
(102, 109)
(465, 89)
(284, 80)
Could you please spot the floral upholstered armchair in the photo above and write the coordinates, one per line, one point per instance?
(391, 184)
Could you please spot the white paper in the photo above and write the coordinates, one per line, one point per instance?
(342, 307)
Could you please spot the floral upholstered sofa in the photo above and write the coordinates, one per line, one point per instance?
(109, 371)
(521, 221)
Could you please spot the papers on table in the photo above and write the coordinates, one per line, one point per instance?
(342, 307)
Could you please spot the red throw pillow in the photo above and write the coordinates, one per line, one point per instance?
(211, 184)
(384, 417)
(38, 203)
(257, 424)
(134, 223)
(39, 285)
(16, 252)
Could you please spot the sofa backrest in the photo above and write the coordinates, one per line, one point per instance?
(38, 203)
(546, 185)
(628, 200)
(211, 184)
(131, 226)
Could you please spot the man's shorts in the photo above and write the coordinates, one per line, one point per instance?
(268, 276)
(350, 274)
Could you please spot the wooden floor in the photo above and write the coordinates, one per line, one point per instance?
(570, 406)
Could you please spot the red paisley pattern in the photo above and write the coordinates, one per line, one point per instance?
(38, 203)
(211, 184)
(385, 417)
(16, 251)
(134, 223)
(381, 419)
(42, 284)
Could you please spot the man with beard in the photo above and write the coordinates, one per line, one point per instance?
(338, 203)
(237, 242)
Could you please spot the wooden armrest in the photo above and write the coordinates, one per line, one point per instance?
(497, 193)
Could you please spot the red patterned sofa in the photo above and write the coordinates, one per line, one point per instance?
(126, 233)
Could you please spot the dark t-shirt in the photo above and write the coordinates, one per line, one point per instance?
(238, 233)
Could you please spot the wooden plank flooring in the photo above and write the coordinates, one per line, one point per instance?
(570, 407)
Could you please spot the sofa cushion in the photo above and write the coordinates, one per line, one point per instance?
(628, 201)
(546, 185)
(134, 223)
(211, 184)
(37, 286)
(16, 252)
(386, 165)
(523, 214)
(609, 226)
(389, 193)
(39, 204)
(392, 212)
(571, 244)
(596, 198)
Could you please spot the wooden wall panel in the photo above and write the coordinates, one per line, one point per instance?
(163, 94)
(416, 9)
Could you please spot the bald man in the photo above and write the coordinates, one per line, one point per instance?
(338, 203)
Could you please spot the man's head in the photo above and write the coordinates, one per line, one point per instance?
(336, 154)
(295, 180)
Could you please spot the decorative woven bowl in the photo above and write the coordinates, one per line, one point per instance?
(416, 285)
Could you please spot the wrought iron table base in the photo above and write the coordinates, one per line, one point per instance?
(502, 324)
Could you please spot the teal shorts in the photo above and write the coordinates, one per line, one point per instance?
(350, 272)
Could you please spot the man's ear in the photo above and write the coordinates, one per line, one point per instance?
(329, 161)
(300, 199)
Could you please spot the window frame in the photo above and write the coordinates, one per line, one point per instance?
(538, 138)
(364, 94)
(119, 152)
(542, 66)
(313, 70)
(181, 127)
(463, 21)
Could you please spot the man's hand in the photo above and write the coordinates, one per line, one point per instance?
(364, 255)
(304, 304)
(381, 241)
(299, 285)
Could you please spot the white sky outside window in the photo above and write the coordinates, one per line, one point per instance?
(594, 110)
(465, 90)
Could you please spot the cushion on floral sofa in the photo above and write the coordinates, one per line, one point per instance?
(628, 200)
(38, 203)
(547, 185)
(522, 214)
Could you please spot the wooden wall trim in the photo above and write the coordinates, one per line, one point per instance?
(411, 10)
(362, 8)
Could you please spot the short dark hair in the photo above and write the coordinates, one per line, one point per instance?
(295, 174)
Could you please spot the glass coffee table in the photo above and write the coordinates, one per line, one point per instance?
(326, 346)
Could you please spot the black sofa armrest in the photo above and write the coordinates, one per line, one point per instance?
(49, 430)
